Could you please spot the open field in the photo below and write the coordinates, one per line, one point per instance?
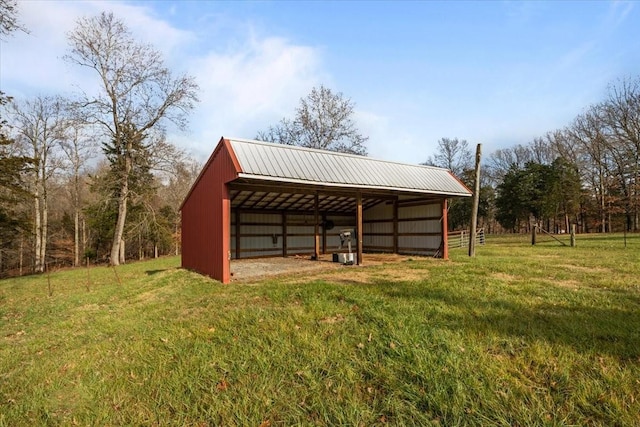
(520, 335)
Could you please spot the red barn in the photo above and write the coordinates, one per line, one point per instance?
(257, 199)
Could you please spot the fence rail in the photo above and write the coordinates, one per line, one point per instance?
(460, 239)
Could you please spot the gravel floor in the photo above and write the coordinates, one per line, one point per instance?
(251, 269)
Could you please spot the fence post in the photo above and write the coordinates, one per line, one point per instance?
(534, 229)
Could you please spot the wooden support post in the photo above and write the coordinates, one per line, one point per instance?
(445, 230)
(316, 227)
(573, 235)
(284, 234)
(237, 230)
(534, 230)
(395, 226)
(476, 202)
(324, 234)
(359, 227)
(225, 233)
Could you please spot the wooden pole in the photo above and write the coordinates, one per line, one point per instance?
(316, 232)
(445, 230)
(324, 234)
(476, 202)
(395, 226)
(284, 233)
(359, 228)
(573, 235)
(534, 228)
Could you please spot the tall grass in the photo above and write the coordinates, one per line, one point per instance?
(518, 335)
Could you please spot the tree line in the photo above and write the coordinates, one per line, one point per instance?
(587, 173)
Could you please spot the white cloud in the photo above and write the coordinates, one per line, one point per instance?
(251, 88)
(33, 63)
(247, 82)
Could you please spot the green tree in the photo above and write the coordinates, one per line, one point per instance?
(12, 170)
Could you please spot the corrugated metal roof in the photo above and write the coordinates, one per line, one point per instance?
(284, 163)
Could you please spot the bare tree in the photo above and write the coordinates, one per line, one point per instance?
(79, 146)
(453, 154)
(324, 120)
(38, 124)
(138, 93)
(620, 114)
(9, 18)
(587, 145)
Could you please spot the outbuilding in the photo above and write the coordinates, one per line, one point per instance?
(258, 199)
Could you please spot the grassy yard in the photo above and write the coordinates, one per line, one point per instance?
(520, 335)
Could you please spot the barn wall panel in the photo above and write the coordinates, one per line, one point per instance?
(420, 211)
(261, 218)
(425, 226)
(261, 229)
(206, 218)
(373, 243)
(420, 228)
(379, 211)
(377, 227)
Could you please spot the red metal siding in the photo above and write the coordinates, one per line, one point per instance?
(206, 216)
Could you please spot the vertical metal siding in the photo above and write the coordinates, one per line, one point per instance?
(416, 235)
(206, 218)
(378, 235)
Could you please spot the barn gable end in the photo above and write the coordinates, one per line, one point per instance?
(205, 216)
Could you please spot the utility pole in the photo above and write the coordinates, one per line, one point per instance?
(476, 202)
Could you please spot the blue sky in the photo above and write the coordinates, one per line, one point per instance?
(497, 73)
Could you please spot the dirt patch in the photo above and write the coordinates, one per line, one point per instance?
(256, 269)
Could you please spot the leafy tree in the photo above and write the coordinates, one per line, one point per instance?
(459, 216)
(12, 164)
(566, 189)
(138, 93)
(324, 120)
(510, 201)
(12, 169)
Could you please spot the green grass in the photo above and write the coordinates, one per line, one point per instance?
(519, 335)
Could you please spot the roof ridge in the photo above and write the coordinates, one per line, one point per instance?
(328, 152)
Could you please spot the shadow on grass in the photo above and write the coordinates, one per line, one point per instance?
(587, 328)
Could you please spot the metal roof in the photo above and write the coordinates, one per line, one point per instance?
(296, 165)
